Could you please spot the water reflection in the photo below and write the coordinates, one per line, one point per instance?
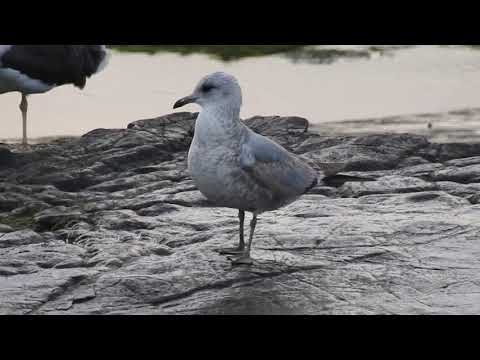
(222, 52)
(389, 81)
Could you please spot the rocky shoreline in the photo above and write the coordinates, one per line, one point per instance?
(111, 223)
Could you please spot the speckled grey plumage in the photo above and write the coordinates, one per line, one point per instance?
(233, 166)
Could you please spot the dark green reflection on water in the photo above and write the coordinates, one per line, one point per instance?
(223, 52)
(308, 53)
(317, 54)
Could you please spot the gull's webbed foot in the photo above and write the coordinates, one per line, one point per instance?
(231, 251)
(25, 147)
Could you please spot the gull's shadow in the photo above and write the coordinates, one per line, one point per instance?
(263, 288)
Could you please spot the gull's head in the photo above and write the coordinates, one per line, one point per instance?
(217, 89)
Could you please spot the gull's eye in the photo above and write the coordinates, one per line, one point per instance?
(207, 87)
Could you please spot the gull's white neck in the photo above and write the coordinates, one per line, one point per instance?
(217, 124)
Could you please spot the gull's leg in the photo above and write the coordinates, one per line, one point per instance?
(241, 245)
(245, 258)
(23, 108)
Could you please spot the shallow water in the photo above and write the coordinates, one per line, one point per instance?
(137, 86)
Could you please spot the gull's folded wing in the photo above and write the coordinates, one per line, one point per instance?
(275, 169)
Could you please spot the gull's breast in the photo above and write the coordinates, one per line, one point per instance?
(217, 174)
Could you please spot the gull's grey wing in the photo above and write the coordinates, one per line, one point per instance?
(275, 169)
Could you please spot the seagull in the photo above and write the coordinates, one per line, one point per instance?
(233, 166)
(36, 69)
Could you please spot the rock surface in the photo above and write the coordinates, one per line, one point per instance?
(111, 223)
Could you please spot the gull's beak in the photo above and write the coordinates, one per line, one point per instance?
(186, 100)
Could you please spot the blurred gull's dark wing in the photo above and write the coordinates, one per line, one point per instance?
(56, 64)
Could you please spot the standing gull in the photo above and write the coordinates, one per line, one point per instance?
(36, 69)
(233, 166)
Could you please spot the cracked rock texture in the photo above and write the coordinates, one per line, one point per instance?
(111, 223)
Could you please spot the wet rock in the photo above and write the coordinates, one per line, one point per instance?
(464, 174)
(445, 152)
(386, 185)
(111, 223)
(466, 191)
(34, 257)
(5, 228)
(58, 217)
(28, 293)
(22, 237)
(369, 153)
(7, 158)
(413, 161)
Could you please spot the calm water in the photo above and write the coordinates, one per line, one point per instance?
(138, 86)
